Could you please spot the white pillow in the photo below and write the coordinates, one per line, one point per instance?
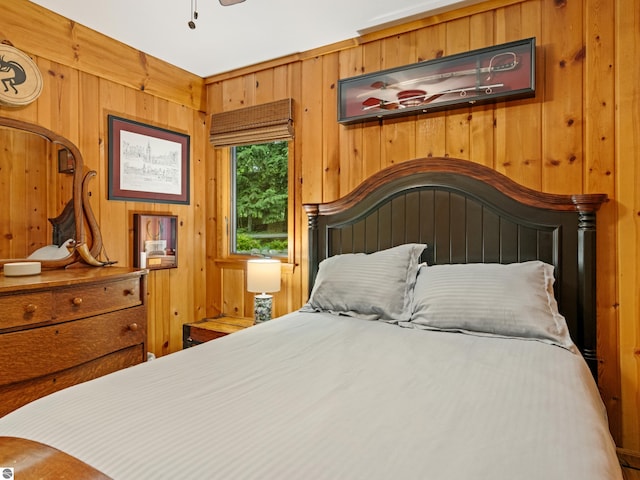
(375, 286)
(514, 300)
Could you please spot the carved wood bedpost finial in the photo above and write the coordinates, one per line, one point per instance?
(312, 215)
(313, 210)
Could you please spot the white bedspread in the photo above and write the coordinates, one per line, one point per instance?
(313, 396)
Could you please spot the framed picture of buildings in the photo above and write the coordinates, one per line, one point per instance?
(147, 163)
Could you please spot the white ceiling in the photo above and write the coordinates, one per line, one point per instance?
(226, 38)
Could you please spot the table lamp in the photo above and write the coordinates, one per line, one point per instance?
(263, 277)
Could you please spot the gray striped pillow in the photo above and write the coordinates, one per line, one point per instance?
(375, 286)
(512, 300)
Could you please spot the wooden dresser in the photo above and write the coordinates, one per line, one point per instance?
(67, 326)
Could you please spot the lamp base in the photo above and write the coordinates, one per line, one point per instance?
(262, 308)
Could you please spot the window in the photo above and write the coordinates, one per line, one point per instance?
(260, 199)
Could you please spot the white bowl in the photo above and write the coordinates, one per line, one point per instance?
(19, 269)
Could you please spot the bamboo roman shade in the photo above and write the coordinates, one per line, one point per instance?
(258, 124)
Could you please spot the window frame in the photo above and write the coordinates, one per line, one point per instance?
(230, 214)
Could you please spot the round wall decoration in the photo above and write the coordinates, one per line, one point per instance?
(20, 78)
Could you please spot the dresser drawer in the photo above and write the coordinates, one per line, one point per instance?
(25, 309)
(22, 356)
(84, 301)
(17, 394)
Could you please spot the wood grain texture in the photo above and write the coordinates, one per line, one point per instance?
(627, 174)
(78, 95)
(15, 395)
(32, 459)
(68, 43)
(66, 326)
(586, 89)
(630, 463)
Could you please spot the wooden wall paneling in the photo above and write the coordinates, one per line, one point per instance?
(112, 212)
(223, 169)
(47, 191)
(562, 31)
(518, 124)
(6, 160)
(284, 301)
(314, 178)
(215, 225)
(250, 90)
(145, 73)
(63, 101)
(430, 127)
(198, 254)
(79, 47)
(234, 301)
(371, 131)
(234, 93)
(350, 141)
(220, 219)
(57, 113)
(331, 132)
(158, 314)
(265, 86)
(163, 314)
(297, 286)
(457, 120)
(90, 144)
(599, 152)
(237, 93)
(184, 297)
(398, 134)
(481, 117)
(627, 168)
(21, 221)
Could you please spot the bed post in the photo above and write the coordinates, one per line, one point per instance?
(587, 278)
(312, 214)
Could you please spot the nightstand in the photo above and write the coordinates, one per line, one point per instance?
(211, 328)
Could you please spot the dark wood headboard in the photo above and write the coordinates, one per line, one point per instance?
(468, 213)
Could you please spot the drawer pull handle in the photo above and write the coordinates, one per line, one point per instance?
(77, 301)
(128, 292)
(30, 308)
(133, 327)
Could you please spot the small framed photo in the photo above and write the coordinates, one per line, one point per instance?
(147, 163)
(66, 163)
(155, 241)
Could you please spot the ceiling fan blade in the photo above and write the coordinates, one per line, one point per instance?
(226, 3)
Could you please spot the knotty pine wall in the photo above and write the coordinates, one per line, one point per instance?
(86, 77)
(579, 134)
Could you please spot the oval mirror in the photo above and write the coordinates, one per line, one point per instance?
(46, 215)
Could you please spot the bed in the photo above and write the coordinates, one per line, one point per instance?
(450, 333)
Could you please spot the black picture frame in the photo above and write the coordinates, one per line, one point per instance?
(147, 163)
(501, 72)
(66, 162)
(155, 236)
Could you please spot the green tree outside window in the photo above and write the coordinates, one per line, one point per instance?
(261, 198)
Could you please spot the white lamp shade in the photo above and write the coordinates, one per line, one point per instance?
(263, 275)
